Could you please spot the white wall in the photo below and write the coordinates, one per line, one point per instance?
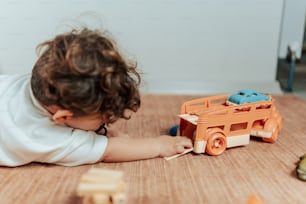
(293, 26)
(195, 46)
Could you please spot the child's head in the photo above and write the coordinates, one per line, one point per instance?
(83, 72)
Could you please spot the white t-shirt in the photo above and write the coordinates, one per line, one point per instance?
(27, 134)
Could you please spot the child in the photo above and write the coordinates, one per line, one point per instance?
(59, 114)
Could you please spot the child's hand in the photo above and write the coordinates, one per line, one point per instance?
(169, 146)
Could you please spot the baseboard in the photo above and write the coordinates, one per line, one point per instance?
(208, 87)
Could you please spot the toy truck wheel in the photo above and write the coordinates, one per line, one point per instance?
(271, 126)
(216, 144)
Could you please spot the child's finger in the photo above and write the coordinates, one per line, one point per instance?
(182, 146)
(180, 149)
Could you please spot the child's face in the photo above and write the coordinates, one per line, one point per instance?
(90, 122)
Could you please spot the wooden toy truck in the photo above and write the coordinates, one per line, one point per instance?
(214, 124)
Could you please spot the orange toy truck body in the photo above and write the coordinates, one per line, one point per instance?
(215, 124)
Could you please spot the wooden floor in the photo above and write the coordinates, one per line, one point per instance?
(263, 169)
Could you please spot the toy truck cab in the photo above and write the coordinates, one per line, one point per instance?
(214, 124)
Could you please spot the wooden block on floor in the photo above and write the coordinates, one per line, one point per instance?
(102, 186)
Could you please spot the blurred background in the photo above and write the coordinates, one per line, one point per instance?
(182, 47)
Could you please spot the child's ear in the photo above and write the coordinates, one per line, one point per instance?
(60, 116)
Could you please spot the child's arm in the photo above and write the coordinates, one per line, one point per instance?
(121, 149)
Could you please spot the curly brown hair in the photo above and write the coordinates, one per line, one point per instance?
(83, 71)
